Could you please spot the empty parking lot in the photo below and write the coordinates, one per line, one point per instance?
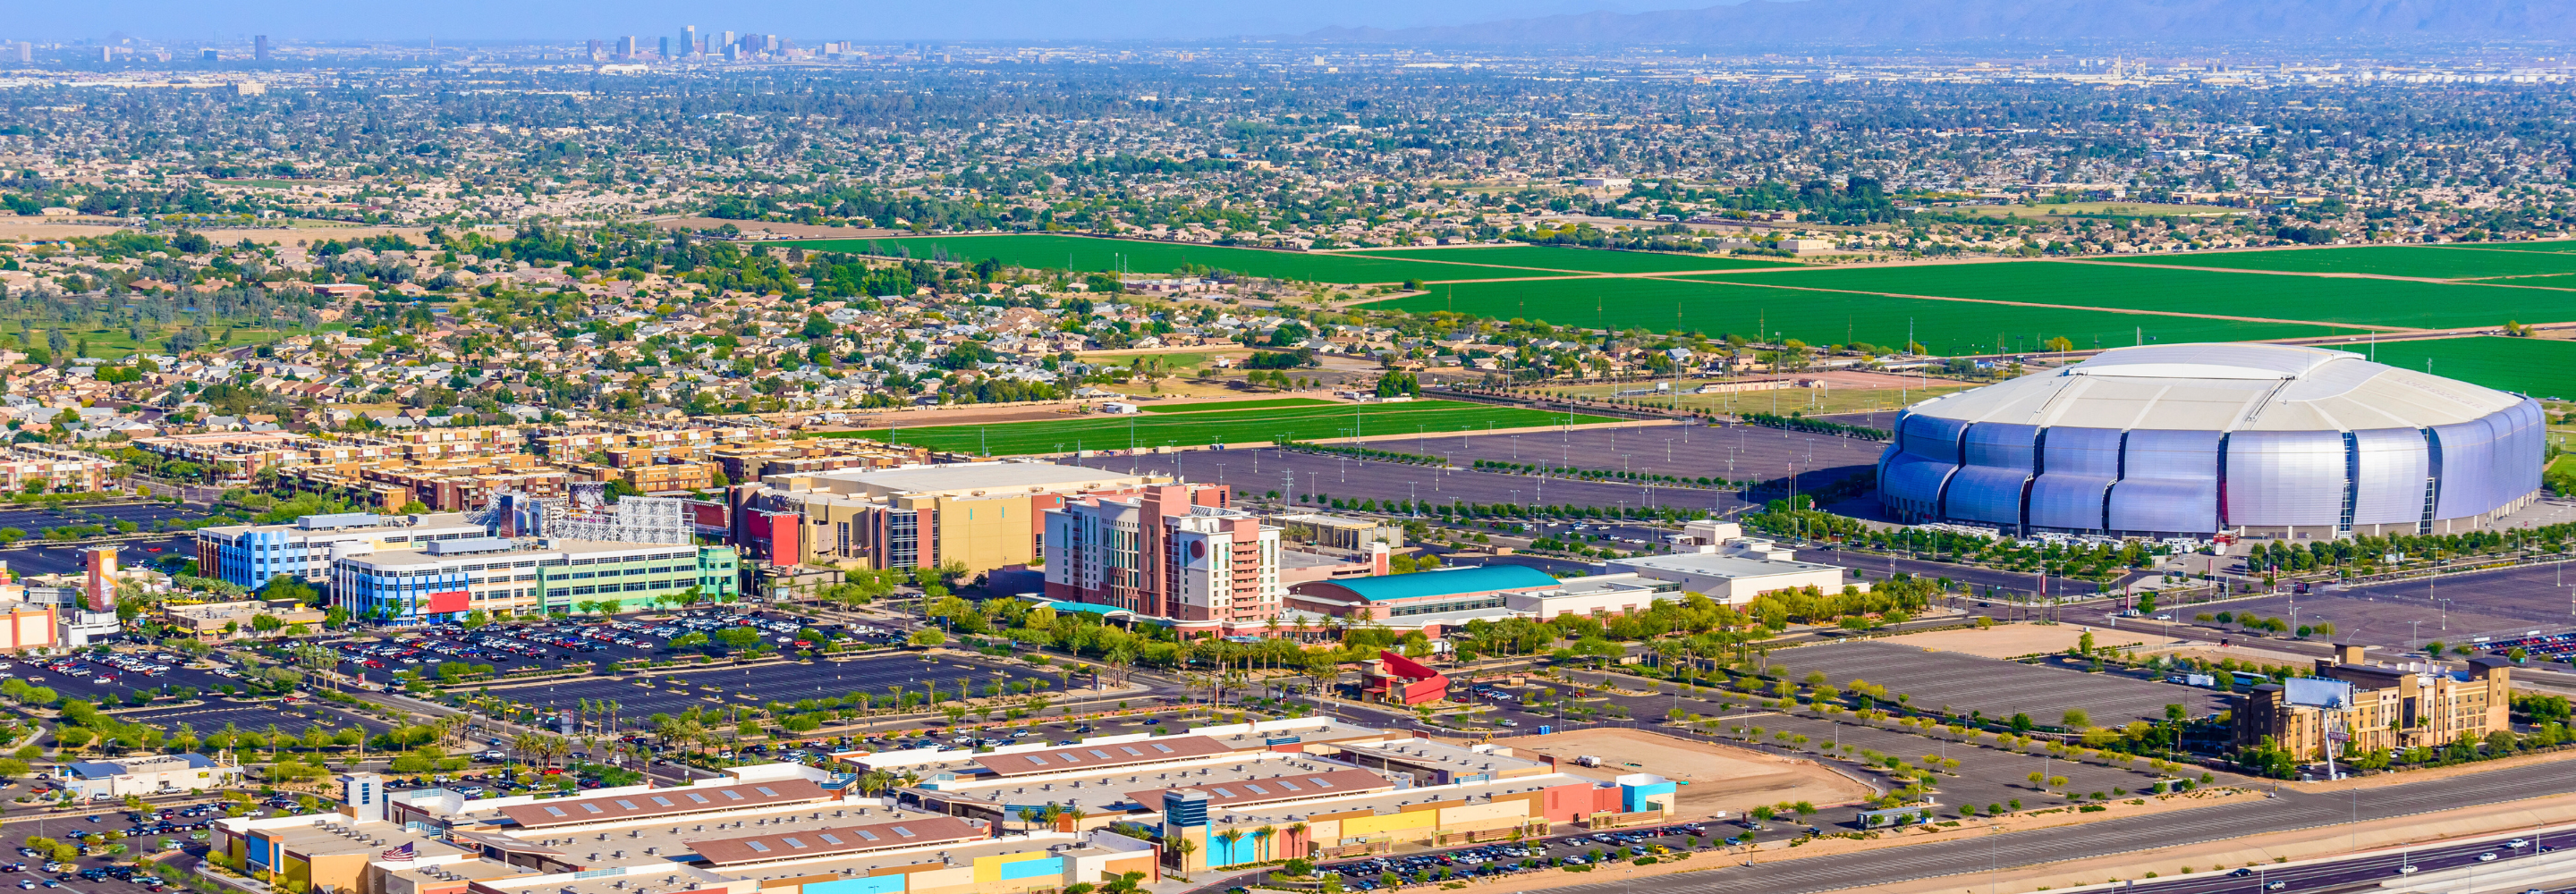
(1965, 683)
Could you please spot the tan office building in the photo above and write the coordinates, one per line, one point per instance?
(981, 515)
(2397, 706)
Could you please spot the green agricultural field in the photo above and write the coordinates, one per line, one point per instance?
(2325, 300)
(2426, 261)
(1223, 427)
(2553, 281)
(1551, 258)
(2529, 366)
(1091, 254)
(2545, 245)
(1222, 405)
(1821, 317)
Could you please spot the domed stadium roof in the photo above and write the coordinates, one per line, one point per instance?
(2201, 438)
(2225, 387)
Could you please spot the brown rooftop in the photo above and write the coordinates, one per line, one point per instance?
(1093, 757)
(1286, 787)
(825, 841)
(664, 802)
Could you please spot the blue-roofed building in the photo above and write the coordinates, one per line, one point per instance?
(145, 775)
(1434, 601)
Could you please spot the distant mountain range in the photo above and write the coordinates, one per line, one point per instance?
(1919, 22)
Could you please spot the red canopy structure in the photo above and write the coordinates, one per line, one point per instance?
(1395, 679)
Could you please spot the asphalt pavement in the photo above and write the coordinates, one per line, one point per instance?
(1973, 853)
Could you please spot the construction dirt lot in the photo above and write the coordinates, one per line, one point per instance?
(1718, 778)
(2008, 641)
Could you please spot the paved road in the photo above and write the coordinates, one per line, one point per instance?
(1974, 853)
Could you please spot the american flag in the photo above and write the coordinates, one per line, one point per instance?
(404, 852)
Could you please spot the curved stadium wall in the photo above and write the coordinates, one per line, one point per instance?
(2195, 440)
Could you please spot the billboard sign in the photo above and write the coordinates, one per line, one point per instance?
(2318, 692)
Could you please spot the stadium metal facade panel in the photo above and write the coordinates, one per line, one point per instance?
(2200, 439)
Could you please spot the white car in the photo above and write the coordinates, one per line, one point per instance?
(2488, 857)
(2408, 869)
(2518, 843)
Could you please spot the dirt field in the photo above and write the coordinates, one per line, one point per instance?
(2212, 653)
(1720, 778)
(2016, 640)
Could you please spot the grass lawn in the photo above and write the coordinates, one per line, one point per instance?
(1945, 327)
(2427, 261)
(112, 344)
(1172, 360)
(1256, 404)
(1573, 260)
(1093, 254)
(2379, 302)
(1218, 427)
(2531, 366)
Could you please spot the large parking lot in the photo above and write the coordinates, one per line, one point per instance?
(1735, 453)
(879, 677)
(217, 714)
(32, 557)
(557, 644)
(116, 675)
(1964, 683)
(2454, 609)
(1506, 858)
(1984, 775)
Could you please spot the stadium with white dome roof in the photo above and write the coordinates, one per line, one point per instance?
(2201, 439)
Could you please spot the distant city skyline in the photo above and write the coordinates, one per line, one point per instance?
(485, 20)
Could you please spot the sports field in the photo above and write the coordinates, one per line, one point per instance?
(2424, 261)
(1217, 405)
(1826, 317)
(1220, 427)
(2529, 366)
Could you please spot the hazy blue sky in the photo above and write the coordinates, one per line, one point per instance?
(815, 19)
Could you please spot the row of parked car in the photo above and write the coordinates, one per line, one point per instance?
(1493, 858)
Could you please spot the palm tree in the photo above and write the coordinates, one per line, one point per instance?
(1181, 849)
(1231, 836)
(1297, 831)
(1261, 843)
